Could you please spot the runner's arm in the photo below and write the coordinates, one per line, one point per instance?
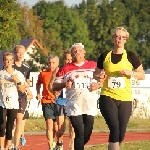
(38, 86)
(58, 86)
(29, 94)
(138, 73)
(97, 73)
(20, 80)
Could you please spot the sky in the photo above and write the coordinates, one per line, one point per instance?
(68, 2)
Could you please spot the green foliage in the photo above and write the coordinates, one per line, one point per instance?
(63, 26)
(91, 22)
(38, 60)
(9, 17)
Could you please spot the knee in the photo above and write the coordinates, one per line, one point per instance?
(121, 137)
(2, 132)
(86, 139)
(2, 129)
(87, 136)
(8, 134)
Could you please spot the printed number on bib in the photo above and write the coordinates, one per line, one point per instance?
(8, 98)
(82, 83)
(116, 82)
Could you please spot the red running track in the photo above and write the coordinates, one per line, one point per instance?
(39, 142)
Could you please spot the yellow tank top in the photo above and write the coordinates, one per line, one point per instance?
(116, 85)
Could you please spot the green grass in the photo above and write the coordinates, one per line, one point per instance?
(38, 124)
(142, 145)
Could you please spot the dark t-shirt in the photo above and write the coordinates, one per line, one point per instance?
(25, 70)
(115, 58)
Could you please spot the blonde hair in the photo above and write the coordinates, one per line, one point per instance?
(67, 51)
(122, 29)
(17, 47)
(7, 54)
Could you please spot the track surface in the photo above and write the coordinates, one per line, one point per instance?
(39, 142)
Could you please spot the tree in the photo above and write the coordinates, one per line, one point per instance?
(38, 60)
(30, 25)
(9, 17)
(138, 23)
(62, 27)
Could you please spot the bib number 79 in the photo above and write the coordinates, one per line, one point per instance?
(116, 82)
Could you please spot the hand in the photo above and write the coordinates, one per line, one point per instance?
(56, 93)
(38, 97)
(125, 72)
(14, 78)
(94, 86)
(69, 84)
(102, 77)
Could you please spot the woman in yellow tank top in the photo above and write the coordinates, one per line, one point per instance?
(116, 95)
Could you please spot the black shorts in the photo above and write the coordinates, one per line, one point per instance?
(60, 110)
(26, 115)
(22, 105)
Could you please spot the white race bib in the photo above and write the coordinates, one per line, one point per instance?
(10, 94)
(116, 82)
(82, 83)
(7, 98)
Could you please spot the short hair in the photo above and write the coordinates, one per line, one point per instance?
(77, 44)
(53, 57)
(17, 47)
(67, 51)
(7, 54)
(120, 28)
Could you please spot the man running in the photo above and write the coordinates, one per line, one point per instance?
(77, 77)
(48, 98)
(24, 68)
(61, 112)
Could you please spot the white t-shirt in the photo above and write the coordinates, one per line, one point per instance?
(80, 100)
(9, 91)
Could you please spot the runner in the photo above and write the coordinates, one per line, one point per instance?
(11, 81)
(81, 104)
(26, 116)
(116, 96)
(61, 112)
(24, 68)
(48, 99)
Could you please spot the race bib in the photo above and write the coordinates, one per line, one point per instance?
(116, 82)
(82, 83)
(7, 97)
(10, 94)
